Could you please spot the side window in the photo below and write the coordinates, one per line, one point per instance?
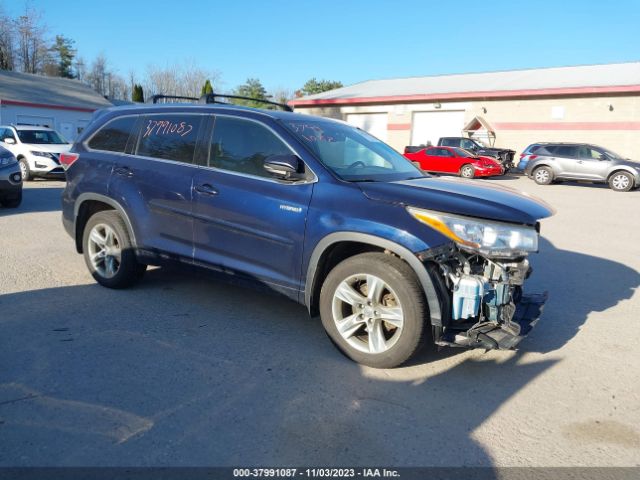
(468, 145)
(589, 153)
(566, 151)
(449, 142)
(170, 137)
(242, 145)
(113, 136)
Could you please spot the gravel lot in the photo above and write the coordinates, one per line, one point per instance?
(187, 370)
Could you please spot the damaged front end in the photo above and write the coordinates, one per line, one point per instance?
(482, 300)
(479, 279)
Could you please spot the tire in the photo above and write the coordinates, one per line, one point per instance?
(106, 232)
(543, 175)
(467, 171)
(25, 171)
(396, 314)
(621, 182)
(13, 202)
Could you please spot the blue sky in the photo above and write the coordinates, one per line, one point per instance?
(284, 43)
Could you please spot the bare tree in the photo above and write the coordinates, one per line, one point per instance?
(81, 69)
(7, 41)
(32, 50)
(97, 75)
(281, 94)
(184, 79)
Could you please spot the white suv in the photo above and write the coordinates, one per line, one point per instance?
(37, 149)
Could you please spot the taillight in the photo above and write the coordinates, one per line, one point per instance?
(522, 155)
(67, 159)
(533, 157)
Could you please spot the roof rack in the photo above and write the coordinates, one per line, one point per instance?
(212, 98)
(155, 98)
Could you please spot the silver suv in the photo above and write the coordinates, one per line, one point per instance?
(548, 162)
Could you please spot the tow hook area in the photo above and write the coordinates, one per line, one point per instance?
(500, 336)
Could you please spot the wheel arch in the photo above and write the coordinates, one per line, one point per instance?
(89, 204)
(622, 169)
(338, 246)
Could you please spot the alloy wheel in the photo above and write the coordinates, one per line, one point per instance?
(105, 251)
(367, 313)
(542, 176)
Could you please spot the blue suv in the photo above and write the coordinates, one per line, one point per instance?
(310, 207)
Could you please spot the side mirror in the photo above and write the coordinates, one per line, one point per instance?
(9, 141)
(285, 167)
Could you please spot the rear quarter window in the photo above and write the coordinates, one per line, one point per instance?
(113, 136)
(170, 137)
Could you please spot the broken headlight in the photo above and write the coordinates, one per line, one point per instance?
(487, 237)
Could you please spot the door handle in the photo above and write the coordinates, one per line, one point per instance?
(124, 171)
(205, 189)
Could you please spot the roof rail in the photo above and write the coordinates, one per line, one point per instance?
(155, 98)
(212, 98)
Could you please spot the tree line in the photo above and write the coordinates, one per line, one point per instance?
(27, 45)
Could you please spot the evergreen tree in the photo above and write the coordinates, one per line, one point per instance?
(138, 94)
(207, 88)
(253, 89)
(314, 86)
(64, 53)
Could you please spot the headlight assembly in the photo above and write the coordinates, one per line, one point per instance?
(4, 161)
(42, 154)
(483, 236)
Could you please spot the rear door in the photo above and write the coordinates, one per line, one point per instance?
(245, 220)
(566, 160)
(155, 181)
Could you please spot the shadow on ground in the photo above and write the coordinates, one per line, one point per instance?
(186, 370)
(41, 199)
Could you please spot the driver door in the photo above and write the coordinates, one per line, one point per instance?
(592, 164)
(246, 221)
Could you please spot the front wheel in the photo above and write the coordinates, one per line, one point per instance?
(621, 182)
(374, 310)
(25, 171)
(108, 251)
(467, 171)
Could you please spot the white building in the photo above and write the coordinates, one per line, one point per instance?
(60, 103)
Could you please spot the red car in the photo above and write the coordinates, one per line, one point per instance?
(455, 160)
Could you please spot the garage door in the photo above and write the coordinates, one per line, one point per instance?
(35, 120)
(373, 123)
(430, 126)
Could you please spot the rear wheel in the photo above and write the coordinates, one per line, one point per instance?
(13, 202)
(467, 171)
(25, 171)
(374, 310)
(543, 175)
(108, 251)
(621, 182)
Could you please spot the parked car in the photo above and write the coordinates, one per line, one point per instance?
(527, 155)
(579, 161)
(455, 160)
(313, 208)
(10, 180)
(37, 149)
(504, 155)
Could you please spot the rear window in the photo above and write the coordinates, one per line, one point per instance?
(450, 142)
(170, 137)
(114, 135)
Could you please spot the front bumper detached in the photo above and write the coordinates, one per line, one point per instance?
(502, 336)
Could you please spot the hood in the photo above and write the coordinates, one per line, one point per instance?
(462, 197)
(49, 147)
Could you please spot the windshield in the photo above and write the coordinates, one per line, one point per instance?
(461, 152)
(40, 137)
(352, 154)
(611, 154)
